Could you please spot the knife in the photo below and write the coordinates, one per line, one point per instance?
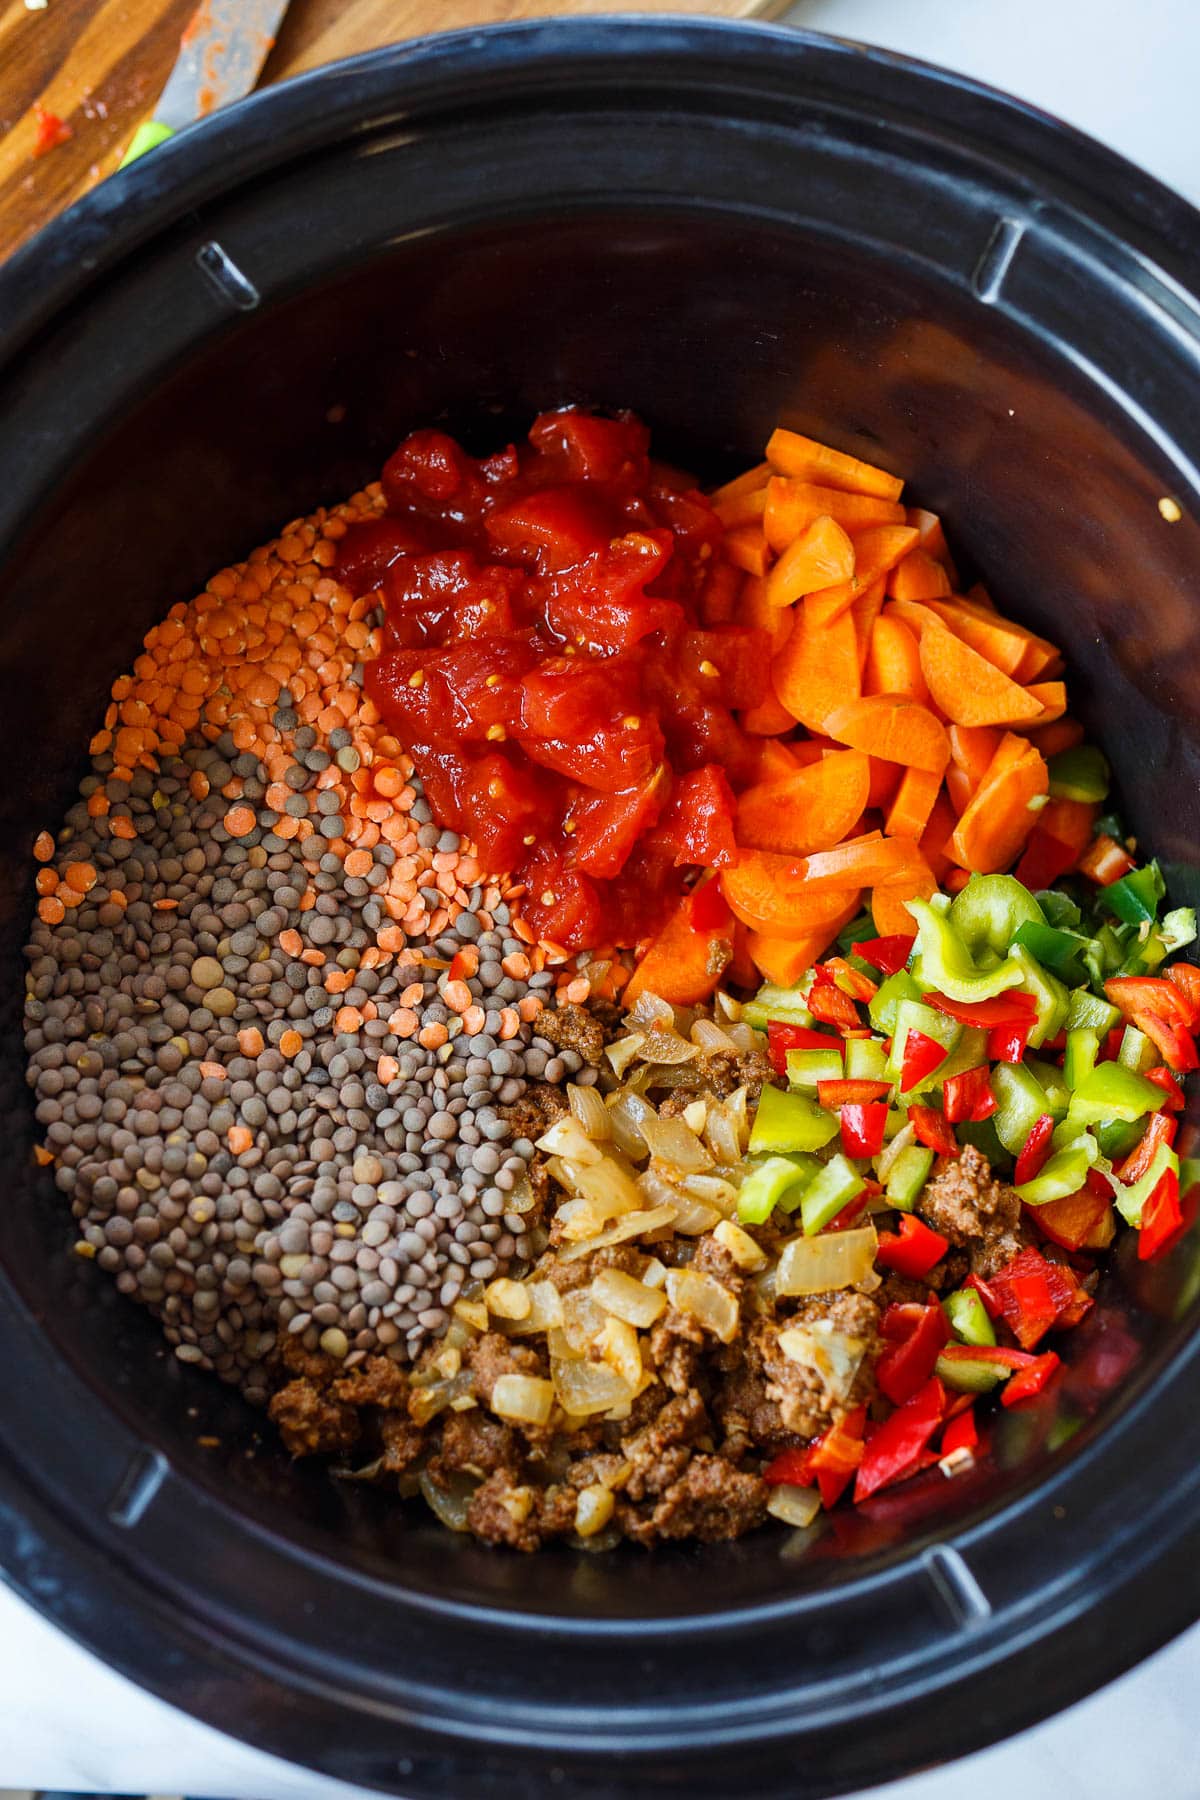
(221, 54)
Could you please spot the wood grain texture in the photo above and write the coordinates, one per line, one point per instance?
(99, 66)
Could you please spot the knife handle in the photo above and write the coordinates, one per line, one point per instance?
(148, 135)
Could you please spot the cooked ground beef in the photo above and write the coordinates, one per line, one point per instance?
(537, 1109)
(722, 1072)
(976, 1212)
(311, 1422)
(710, 1500)
(571, 1028)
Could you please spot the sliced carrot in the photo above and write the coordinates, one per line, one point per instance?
(893, 664)
(992, 831)
(746, 548)
(683, 964)
(997, 639)
(784, 960)
(777, 761)
(876, 550)
(810, 809)
(968, 688)
(755, 609)
(789, 453)
(817, 669)
(937, 834)
(865, 613)
(918, 577)
(958, 786)
(909, 812)
(894, 727)
(932, 539)
(1070, 821)
(767, 892)
(743, 971)
(746, 508)
(791, 507)
(810, 750)
(768, 718)
(1064, 734)
(972, 748)
(862, 861)
(1053, 696)
(1040, 662)
(741, 484)
(885, 779)
(981, 597)
(891, 915)
(821, 557)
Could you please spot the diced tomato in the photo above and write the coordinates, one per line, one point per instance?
(607, 826)
(583, 447)
(369, 548)
(933, 1130)
(733, 660)
(699, 819)
(914, 1250)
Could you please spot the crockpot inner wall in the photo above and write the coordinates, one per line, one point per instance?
(713, 328)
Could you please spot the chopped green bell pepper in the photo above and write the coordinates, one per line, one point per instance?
(833, 1187)
(969, 1377)
(946, 962)
(1136, 896)
(768, 1185)
(1130, 1199)
(1178, 929)
(982, 1133)
(908, 1175)
(806, 1067)
(1061, 952)
(1064, 1174)
(1083, 1046)
(1053, 1083)
(789, 1121)
(914, 1015)
(968, 1317)
(1020, 1102)
(866, 1060)
(1050, 996)
(1080, 773)
(1060, 910)
(881, 1008)
(1117, 1137)
(772, 1002)
(1137, 1052)
(1089, 1012)
(1113, 1092)
(987, 914)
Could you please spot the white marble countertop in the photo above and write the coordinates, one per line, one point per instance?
(1128, 76)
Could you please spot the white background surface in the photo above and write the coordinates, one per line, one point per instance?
(1126, 73)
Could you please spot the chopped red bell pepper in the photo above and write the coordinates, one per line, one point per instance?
(863, 1124)
(1007, 1043)
(906, 1365)
(968, 1096)
(1160, 1130)
(1106, 861)
(1034, 1151)
(1071, 1222)
(922, 1055)
(1174, 1042)
(901, 1320)
(1013, 1008)
(991, 1301)
(961, 1433)
(1186, 977)
(851, 981)
(851, 1212)
(792, 1467)
(835, 1456)
(855, 1092)
(1163, 1222)
(1148, 994)
(1110, 1049)
(933, 1130)
(1046, 859)
(782, 1037)
(1031, 1379)
(892, 1450)
(887, 954)
(913, 1250)
(828, 1003)
(998, 1354)
(1035, 1294)
(1163, 1078)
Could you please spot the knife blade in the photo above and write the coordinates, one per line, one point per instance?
(221, 55)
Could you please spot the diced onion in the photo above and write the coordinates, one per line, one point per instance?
(520, 1197)
(567, 1138)
(593, 1509)
(738, 1244)
(618, 1347)
(635, 1224)
(590, 1112)
(650, 1010)
(746, 1038)
(582, 1319)
(425, 1403)
(507, 1299)
(833, 1354)
(526, 1399)
(709, 1037)
(704, 1298)
(725, 1130)
(887, 1156)
(584, 1388)
(625, 1114)
(666, 1046)
(671, 1142)
(450, 1502)
(794, 1505)
(545, 1309)
(693, 1217)
(818, 1265)
(627, 1297)
(621, 1053)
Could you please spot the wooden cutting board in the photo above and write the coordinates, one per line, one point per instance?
(99, 66)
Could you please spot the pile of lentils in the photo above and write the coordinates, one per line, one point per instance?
(274, 1013)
